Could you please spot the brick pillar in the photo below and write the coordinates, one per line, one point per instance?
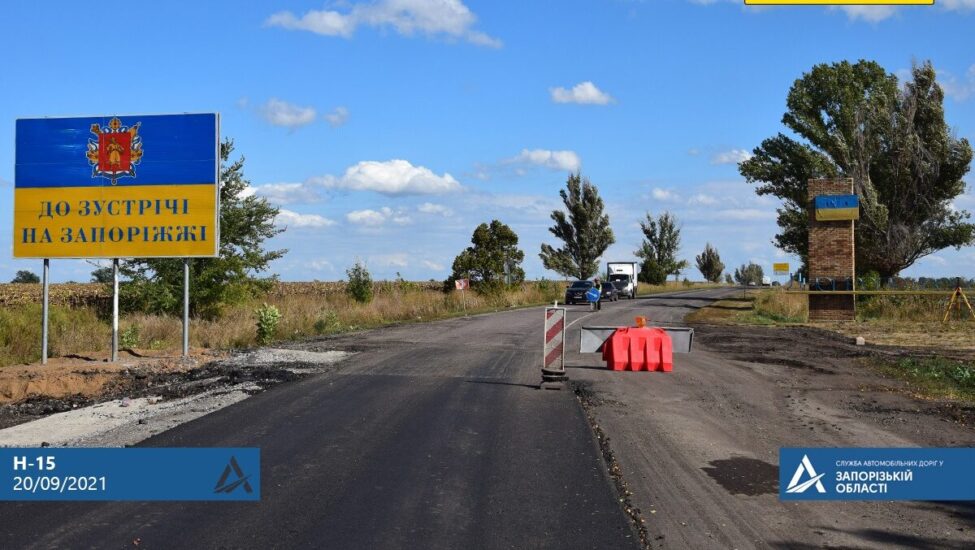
(831, 255)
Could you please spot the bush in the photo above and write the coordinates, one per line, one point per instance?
(328, 322)
(129, 338)
(652, 273)
(267, 323)
(360, 283)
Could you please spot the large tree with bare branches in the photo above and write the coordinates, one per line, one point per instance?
(907, 166)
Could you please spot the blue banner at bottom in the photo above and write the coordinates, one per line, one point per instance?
(877, 473)
(228, 474)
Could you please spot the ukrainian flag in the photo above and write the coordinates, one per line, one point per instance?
(837, 207)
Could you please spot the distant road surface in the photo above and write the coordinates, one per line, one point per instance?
(433, 436)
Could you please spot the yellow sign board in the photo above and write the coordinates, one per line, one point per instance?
(781, 268)
(117, 187)
(839, 2)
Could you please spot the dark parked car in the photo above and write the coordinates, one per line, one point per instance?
(576, 293)
(610, 292)
(621, 287)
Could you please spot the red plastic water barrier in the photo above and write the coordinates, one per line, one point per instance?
(638, 349)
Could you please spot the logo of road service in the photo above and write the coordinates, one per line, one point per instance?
(115, 151)
(805, 466)
(241, 480)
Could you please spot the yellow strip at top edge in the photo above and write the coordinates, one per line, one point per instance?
(839, 2)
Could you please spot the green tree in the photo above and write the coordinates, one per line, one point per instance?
(728, 279)
(24, 276)
(493, 258)
(246, 222)
(895, 144)
(652, 273)
(102, 275)
(360, 283)
(750, 273)
(709, 264)
(661, 243)
(585, 232)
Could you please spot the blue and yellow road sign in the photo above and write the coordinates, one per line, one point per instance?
(117, 187)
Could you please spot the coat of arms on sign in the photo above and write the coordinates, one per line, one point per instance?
(115, 151)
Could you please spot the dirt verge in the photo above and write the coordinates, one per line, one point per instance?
(823, 352)
(32, 392)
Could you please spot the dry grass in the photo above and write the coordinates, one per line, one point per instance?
(722, 311)
(71, 331)
(307, 309)
(901, 308)
(913, 321)
(958, 335)
(778, 307)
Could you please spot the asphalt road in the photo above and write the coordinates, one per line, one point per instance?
(433, 436)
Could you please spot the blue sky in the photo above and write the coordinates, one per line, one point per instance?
(387, 130)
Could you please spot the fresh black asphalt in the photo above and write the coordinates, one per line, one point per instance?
(431, 436)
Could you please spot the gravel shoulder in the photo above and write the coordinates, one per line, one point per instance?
(123, 405)
(698, 447)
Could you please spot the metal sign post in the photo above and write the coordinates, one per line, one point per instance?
(186, 307)
(553, 349)
(44, 291)
(462, 285)
(115, 310)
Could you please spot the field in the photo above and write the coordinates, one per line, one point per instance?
(80, 315)
(79, 318)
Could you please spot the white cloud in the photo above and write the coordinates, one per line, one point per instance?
(557, 160)
(583, 93)
(438, 209)
(450, 18)
(934, 259)
(531, 206)
(288, 115)
(294, 219)
(702, 199)
(664, 195)
(432, 265)
(366, 217)
(285, 193)
(328, 23)
(337, 117)
(319, 265)
(376, 218)
(734, 156)
(872, 14)
(960, 5)
(398, 259)
(956, 88)
(392, 177)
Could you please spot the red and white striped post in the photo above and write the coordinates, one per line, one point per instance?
(553, 349)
